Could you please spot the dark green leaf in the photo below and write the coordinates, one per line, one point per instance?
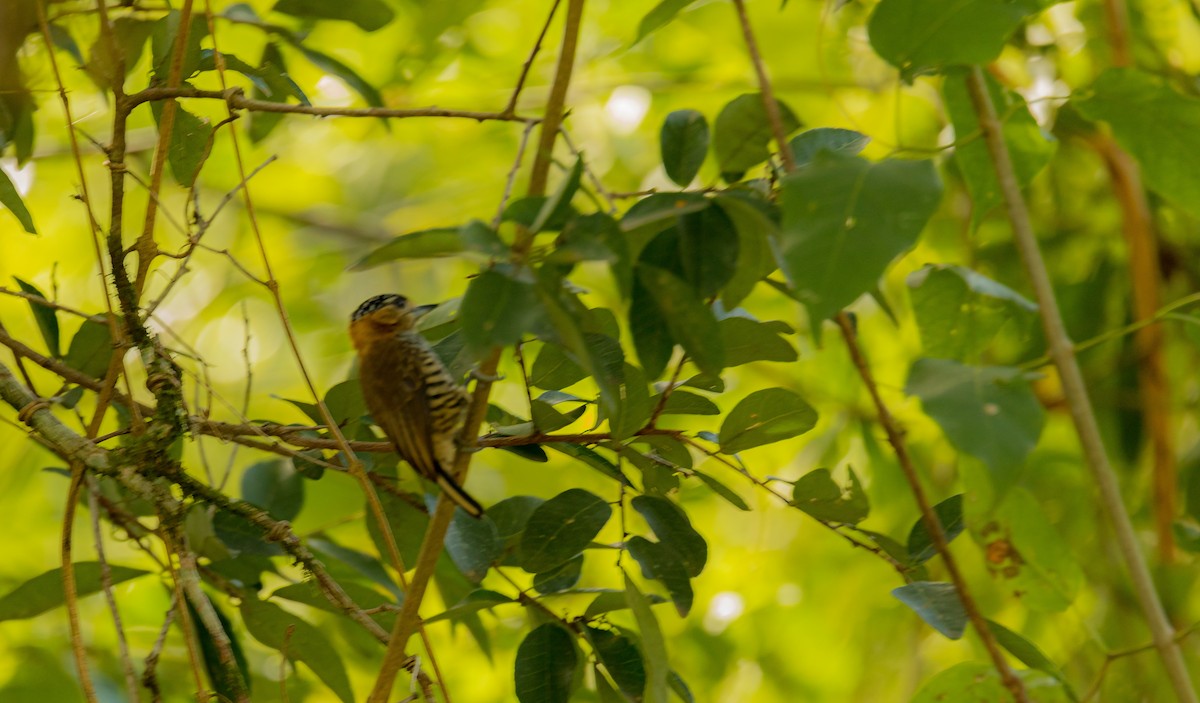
(11, 199)
(473, 603)
(499, 309)
(621, 659)
(45, 315)
(659, 16)
(208, 62)
(634, 410)
(680, 688)
(553, 369)
(1157, 125)
(1028, 654)
(689, 320)
(558, 205)
(190, 142)
(917, 36)
(702, 249)
(845, 220)
(766, 416)
(407, 522)
(545, 665)
(474, 544)
(591, 458)
(987, 411)
(561, 577)
(272, 71)
(610, 600)
(299, 641)
(561, 528)
(920, 544)
(666, 566)
(706, 382)
(547, 419)
(129, 35)
(1029, 147)
(274, 486)
(345, 401)
(369, 15)
(651, 336)
(356, 82)
(425, 244)
(590, 238)
(91, 348)
(162, 45)
(755, 221)
(842, 142)
(681, 402)
(225, 682)
(674, 531)
(959, 312)
(747, 340)
(938, 605)
(742, 133)
(684, 143)
(722, 490)
(817, 494)
(62, 39)
(45, 591)
(654, 646)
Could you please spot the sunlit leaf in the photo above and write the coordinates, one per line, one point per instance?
(950, 516)
(842, 142)
(659, 16)
(11, 199)
(45, 316)
(45, 591)
(959, 312)
(817, 494)
(766, 416)
(369, 15)
(742, 133)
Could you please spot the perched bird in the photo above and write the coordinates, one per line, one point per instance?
(411, 394)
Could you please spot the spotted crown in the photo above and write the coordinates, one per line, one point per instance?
(379, 302)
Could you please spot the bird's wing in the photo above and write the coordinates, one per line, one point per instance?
(397, 400)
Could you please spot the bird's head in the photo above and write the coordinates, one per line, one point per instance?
(383, 316)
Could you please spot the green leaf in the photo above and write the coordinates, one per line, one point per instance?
(841, 142)
(425, 244)
(62, 39)
(45, 591)
(554, 370)
(701, 249)
(561, 528)
(331, 65)
(475, 601)
(1027, 556)
(989, 412)
(674, 531)
(684, 143)
(45, 315)
(755, 221)
(224, 681)
(651, 337)
(274, 486)
(681, 402)
(621, 659)
(592, 458)
(742, 133)
(1157, 125)
(162, 45)
(547, 419)
(591, 238)
(473, 544)
(91, 348)
(918, 36)
(11, 199)
(369, 15)
(634, 409)
(722, 490)
(938, 605)
(665, 565)
(299, 641)
(659, 16)
(561, 577)
(817, 494)
(845, 220)
(499, 309)
(976, 681)
(654, 646)
(610, 600)
(748, 340)
(558, 206)
(272, 70)
(920, 544)
(345, 401)
(545, 665)
(358, 564)
(680, 688)
(1028, 654)
(765, 416)
(129, 35)
(1029, 147)
(959, 312)
(689, 320)
(190, 142)
(406, 521)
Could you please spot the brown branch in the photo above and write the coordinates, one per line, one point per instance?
(774, 118)
(1075, 390)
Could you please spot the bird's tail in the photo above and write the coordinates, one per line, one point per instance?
(457, 493)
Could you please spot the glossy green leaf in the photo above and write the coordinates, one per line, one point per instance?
(920, 545)
(499, 309)
(674, 531)
(938, 605)
(561, 528)
(959, 312)
(560, 578)
(1156, 124)
(845, 220)
(621, 659)
(90, 348)
(748, 340)
(665, 565)
(841, 142)
(689, 320)
(45, 316)
(299, 641)
(1028, 146)
(766, 416)
(917, 36)
(659, 16)
(473, 544)
(545, 666)
(989, 412)
(654, 646)
(274, 486)
(11, 199)
(684, 143)
(369, 15)
(742, 133)
(45, 591)
(817, 494)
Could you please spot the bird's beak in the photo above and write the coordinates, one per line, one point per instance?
(420, 310)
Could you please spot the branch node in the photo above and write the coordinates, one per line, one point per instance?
(25, 414)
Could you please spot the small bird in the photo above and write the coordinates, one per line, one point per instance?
(411, 394)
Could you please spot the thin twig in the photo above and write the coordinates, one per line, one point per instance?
(70, 592)
(511, 107)
(106, 585)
